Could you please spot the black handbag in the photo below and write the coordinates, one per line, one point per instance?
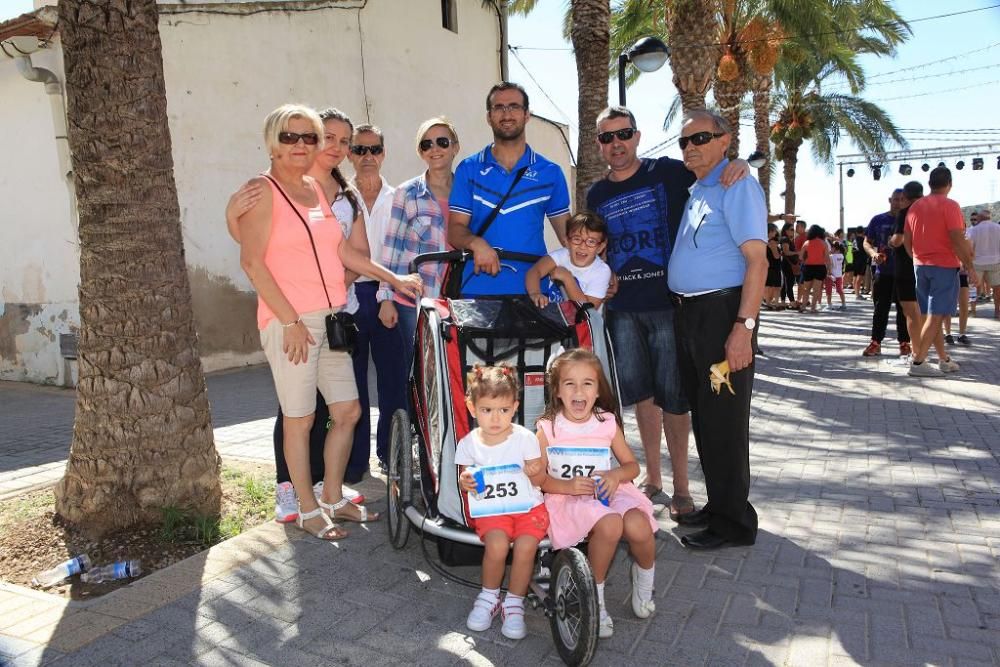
(453, 282)
(341, 329)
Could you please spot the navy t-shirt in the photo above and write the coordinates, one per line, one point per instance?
(643, 214)
(878, 233)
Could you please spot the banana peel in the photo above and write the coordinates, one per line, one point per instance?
(718, 375)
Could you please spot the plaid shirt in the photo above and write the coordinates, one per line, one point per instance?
(416, 226)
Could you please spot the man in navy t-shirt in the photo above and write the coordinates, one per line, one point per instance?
(876, 245)
(642, 201)
(482, 180)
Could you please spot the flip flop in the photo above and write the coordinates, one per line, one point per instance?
(650, 491)
(678, 503)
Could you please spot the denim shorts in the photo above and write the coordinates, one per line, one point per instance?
(937, 289)
(646, 358)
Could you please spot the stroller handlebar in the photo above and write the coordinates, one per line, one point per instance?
(454, 256)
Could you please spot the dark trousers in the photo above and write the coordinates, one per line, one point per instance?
(884, 297)
(787, 282)
(386, 349)
(721, 422)
(317, 438)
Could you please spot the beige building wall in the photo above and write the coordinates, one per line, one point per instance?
(389, 62)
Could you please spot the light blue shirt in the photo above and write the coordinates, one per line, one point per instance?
(717, 221)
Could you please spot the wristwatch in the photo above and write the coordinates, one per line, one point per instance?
(748, 322)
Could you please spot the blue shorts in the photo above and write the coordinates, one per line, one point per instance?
(646, 358)
(937, 289)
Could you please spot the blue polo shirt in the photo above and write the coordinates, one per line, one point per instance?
(878, 232)
(717, 221)
(480, 183)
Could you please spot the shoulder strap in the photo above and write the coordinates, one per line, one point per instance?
(496, 210)
(308, 231)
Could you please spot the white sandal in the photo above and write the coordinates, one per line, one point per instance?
(322, 533)
(343, 502)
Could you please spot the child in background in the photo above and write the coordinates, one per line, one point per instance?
(584, 275)
(492, 399)
(582, 414)
(836, 276)
(773, 284)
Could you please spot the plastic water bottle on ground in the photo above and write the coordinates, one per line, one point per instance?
(124, 569)
(62, 571)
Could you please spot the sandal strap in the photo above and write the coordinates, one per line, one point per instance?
(333, 507)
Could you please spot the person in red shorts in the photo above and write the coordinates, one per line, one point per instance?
(506, 503)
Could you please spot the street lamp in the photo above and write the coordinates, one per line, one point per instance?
(757, 159)
(648, 54)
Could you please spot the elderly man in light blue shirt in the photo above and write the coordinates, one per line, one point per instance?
(716, 273)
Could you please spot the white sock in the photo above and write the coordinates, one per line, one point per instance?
(600, 594)
(644, 581)
(514, 601)
(493, 594)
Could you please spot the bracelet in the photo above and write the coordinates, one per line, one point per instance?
(291, 324)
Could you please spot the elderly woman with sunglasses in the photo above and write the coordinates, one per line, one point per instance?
(293, 251)
(419, 224)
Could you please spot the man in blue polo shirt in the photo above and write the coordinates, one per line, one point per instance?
(716, 273)
(529, 186)
(876, 245)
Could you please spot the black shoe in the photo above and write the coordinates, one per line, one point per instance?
(949, 340)
(706, 539)
(383, 467)
(695, 518)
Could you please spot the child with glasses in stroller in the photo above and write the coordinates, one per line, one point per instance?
(501, 469)
(579, 267)
(585, 496)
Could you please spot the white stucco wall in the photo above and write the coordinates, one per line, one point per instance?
(39, 269)
(225, 70)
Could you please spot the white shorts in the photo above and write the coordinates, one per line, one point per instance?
(296, 384)
(991, 272)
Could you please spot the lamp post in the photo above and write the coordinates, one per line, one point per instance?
(648, 54)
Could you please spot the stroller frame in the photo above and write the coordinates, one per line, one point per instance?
(422, 480)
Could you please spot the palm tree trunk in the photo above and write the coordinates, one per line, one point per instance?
(790, 158)
(728, 95)
(761, 85)
(591, 36)
(693, 28)
(142, 439)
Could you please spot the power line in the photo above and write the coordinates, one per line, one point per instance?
(532, 77)
(845, 84)
(937, 92)
(932, 62)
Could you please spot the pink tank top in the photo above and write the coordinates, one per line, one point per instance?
(591, 433)
(289, 256)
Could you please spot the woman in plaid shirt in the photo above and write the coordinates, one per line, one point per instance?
(419, 224)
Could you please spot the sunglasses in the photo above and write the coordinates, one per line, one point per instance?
(589, 242)
(623, 135)
(699, 138)
(358, 149)
(442, 142)
(292, 138)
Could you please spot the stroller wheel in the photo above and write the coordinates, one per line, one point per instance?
(574, 596)
(399, 480)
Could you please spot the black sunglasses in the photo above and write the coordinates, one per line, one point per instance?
(292, 138)
(358, 149)
(623, 135)
(442, 142)
(699, 138)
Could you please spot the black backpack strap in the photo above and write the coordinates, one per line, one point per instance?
(481, 232)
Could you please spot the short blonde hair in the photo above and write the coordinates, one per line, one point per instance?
(277, 122)
(434, 122)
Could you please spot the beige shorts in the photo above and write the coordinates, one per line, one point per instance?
(296, 384)
(991, 272)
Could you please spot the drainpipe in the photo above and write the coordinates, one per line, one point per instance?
(53, 87)
(504, 40)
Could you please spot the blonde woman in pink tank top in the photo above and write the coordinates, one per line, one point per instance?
(293, 302)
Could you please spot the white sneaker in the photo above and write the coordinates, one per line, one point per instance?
(513, 621)
(925, 370)
(606, 627)
(948, 366)
(484, 609)
(641, 605)
(286, 505)
(355, 497)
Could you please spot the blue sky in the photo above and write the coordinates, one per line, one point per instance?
(950, 80)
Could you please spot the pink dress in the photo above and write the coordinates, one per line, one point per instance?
(573, 517)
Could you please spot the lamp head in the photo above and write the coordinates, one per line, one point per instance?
(648, 54)
(757, 159)
(15, 47)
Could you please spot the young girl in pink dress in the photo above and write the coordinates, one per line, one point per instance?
(578, 432)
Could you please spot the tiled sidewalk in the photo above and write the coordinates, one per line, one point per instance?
(879, 498)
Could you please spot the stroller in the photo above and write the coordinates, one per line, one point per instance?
(422, 482)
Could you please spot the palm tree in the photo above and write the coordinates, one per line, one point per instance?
(587, 25)
(142, 439)
(806, 112)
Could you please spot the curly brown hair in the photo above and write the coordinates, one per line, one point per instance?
(491, 382)
(606, 399)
